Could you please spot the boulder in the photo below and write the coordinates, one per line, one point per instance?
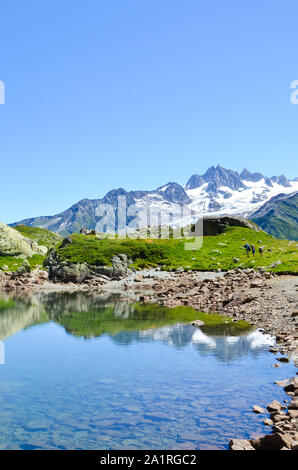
(268, 422)
(292, 385)
(293, 405)
(258, 409)
(13, 243)
(65, 272)
(197, 323)
(79, 272)
(85, 231)
(24, 269)
(217, 225)
(275, 441)
(240, 444)
(120, 266)
(105, 271)
(274, 265)
(274, 406)
(66, 241)
(283, 359)
(180, 270)
(293, 414)
(72, 272)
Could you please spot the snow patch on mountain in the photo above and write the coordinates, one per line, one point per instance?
(241, 201)
(218, 191)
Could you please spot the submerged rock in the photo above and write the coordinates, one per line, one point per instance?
(258, 409)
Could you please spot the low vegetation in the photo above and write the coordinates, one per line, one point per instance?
(225, 251)
(39, 235)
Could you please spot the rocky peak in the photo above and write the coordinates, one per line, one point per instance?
(282, 180)
(248, 176)
(195, 181)
(216, 177)
(173, 192)
(219, 176)
(112, 197)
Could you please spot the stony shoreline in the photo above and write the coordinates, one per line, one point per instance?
(266, 301)
(261, 298)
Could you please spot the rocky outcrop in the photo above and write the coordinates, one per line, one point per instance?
(64, 271)
(120, 266)
(85, 231)
(118, 270)
(12, 243)
(217, 225)
(70, 272)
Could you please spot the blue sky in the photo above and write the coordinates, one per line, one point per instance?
(135, 93)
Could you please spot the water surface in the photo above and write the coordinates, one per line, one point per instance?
(86, 372)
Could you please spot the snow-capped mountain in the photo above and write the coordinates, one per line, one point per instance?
(220, 191)
(217, 192)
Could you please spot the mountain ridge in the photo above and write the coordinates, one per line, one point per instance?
(218, 191)
(279, 215)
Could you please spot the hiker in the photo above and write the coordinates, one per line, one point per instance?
(253, 250)
(247, 247)
(261, 250)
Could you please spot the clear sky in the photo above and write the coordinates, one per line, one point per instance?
(101, 94)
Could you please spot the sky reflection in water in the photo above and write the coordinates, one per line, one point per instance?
(85, 372)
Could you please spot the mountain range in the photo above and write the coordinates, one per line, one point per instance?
(218, 191)
(279, 216)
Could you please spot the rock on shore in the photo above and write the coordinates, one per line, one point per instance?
(284, 426)
(12, 243)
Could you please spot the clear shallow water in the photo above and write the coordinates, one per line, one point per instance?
(92, 373)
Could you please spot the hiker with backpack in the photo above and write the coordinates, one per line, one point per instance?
(253, 250)
(261, 249)
(247, 247)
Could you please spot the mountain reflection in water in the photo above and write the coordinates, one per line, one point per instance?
(98, 372)
(125, 322)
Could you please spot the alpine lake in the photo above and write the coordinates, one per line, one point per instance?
(85, 371)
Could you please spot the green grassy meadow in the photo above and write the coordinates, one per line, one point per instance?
(217, 252)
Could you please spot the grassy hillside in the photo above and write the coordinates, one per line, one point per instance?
(39, 235)
(279, 216)
(278, 227)
(216, 252)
